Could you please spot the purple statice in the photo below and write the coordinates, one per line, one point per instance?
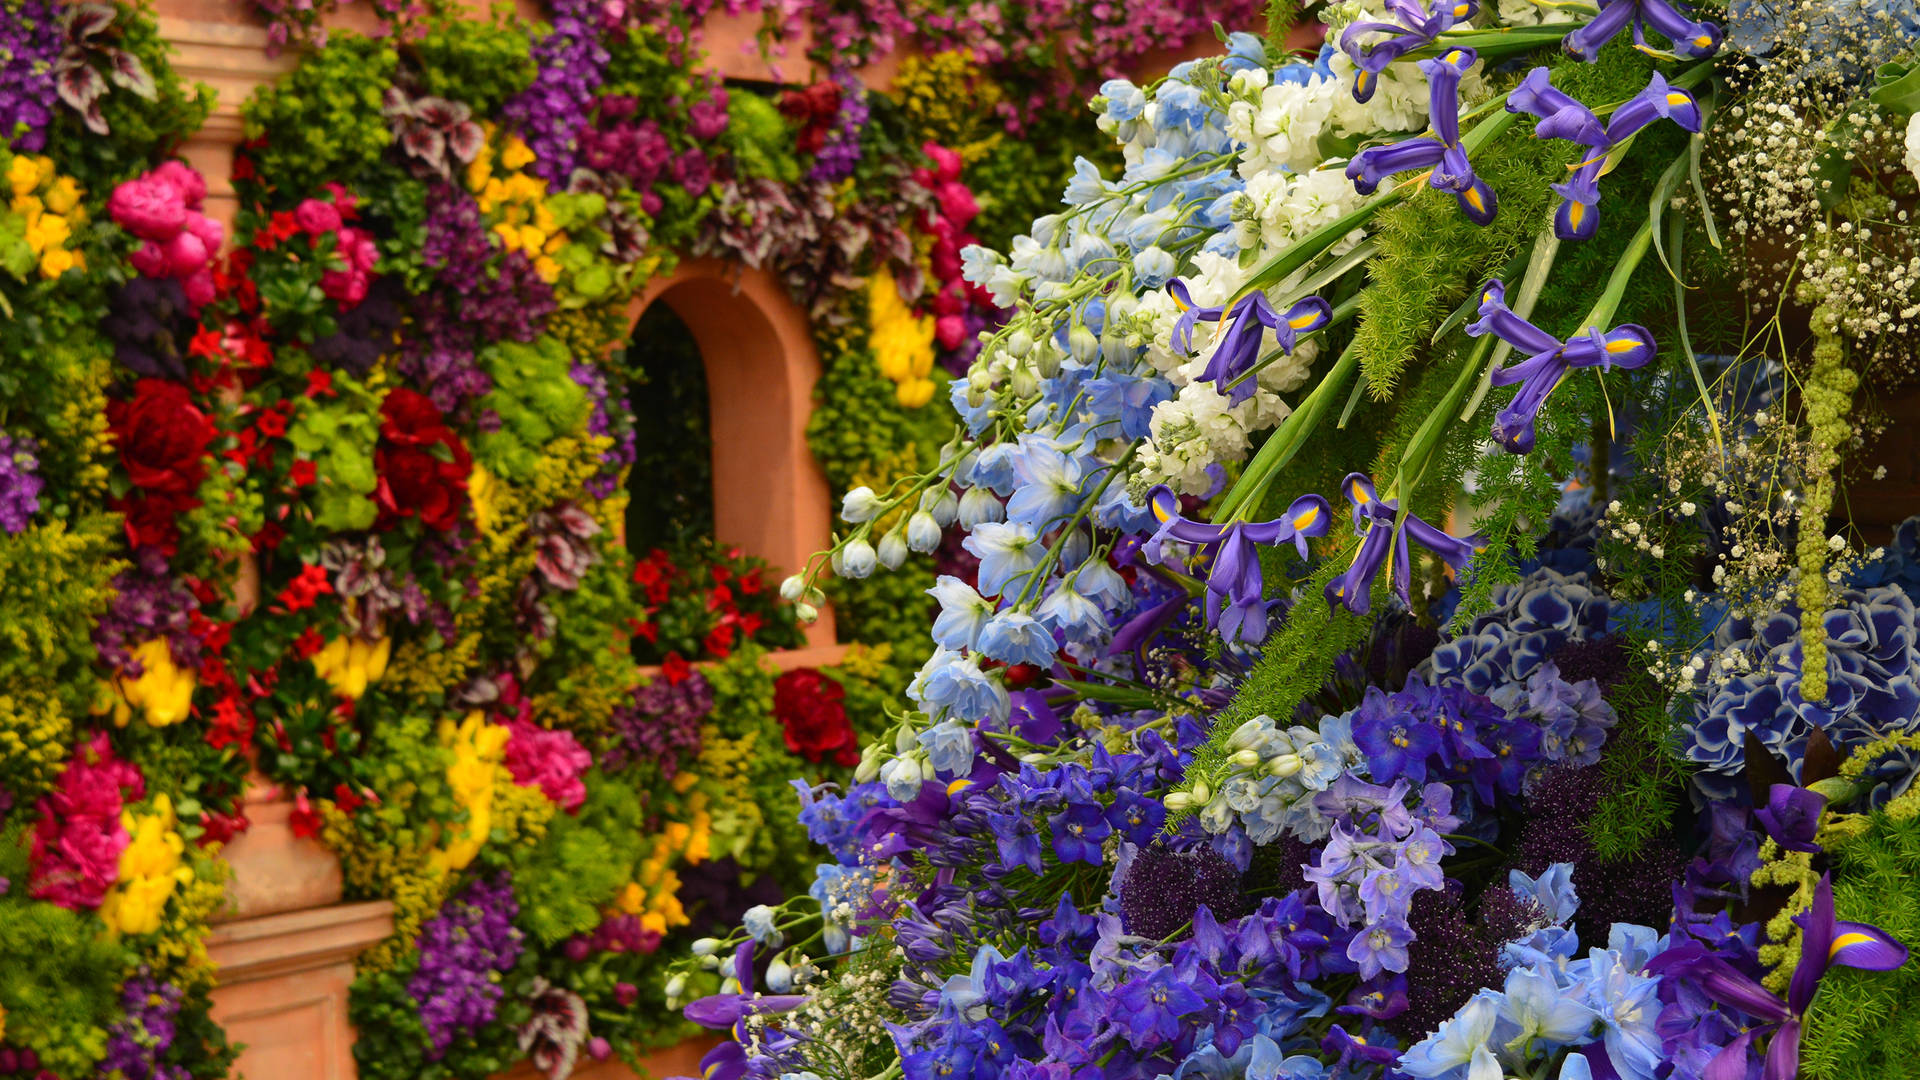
(611, 417)
(20, 482)
(662, 725)
(30, 41)
(475, 302)
(549, 114)
(841, 151)
(148, 603)
(463, 951)
(138, 1041)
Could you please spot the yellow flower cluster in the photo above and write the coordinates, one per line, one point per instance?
(151, 867)
(902, 342)
(478, 748)
(516, 204)
(653, 895)
(163, 693)
(952, 100)
(349, 664)
(49, 205)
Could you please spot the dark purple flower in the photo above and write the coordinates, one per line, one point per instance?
(1374, 522)
(1625, 346)
(1246, 321)
(1148, 1009)
(1561, 117)
(1439, 150)
(1695, 39)
(1417, 26)
(1079, 831)
(1792, 817)
(463, 952)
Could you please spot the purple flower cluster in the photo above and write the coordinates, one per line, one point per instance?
(462, 951)
(30, 42)
(662, 725)
(1381, 853)
(1446, 734)
(20, 482)
(619, 145)
(550, 113)
(841, 151)
(148, 603)
(140, 1038)
(610, 417)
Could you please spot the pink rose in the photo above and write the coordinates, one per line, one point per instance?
(549, 760)
(316, 218)
(148, 209)
(357, 248)
(149, 260)
(199, 288)
(946, 163)
(345, 287)
(185, 254)
(957, 203)
(182, 177)
(77, 842)
(343, 200)
(210, 232)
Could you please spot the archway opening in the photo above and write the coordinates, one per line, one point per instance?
(671, 484)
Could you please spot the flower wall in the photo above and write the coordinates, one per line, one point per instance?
(333, 499)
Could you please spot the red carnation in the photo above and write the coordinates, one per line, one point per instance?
(809, 706)
(423, 465)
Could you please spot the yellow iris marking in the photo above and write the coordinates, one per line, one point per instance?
(1453, 57)
(1460, 10)
(1472, 195)
(1677, 98)
(1160, 513)
(1308, 518)
(1704, 41)
(1360, 81)
(1575, 212)
(1620, 346)
(1360, 496)
(1844, 940)
(1304, 321)
(958, 786)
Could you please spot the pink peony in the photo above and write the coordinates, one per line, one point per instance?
(356, 247)
(200, 288)
(316, 217)
(550, 760)
(148, 208)
(951, 330)
(184, 254)
(343, 200)
(78, 839)
(182, 178)
(210, 232)
(957, 203)
(946, 163)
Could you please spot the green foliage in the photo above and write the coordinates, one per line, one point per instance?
(57, 581)
(1645, 779)
(1022, 178)
(537, 400)
(338, 435)
(60, 973)
(141, 132)
(760, 139)
(323, 120)
(563, 882)
(1864, 1025)
(890, 608)
(479, 62)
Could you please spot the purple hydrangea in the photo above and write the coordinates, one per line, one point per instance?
(139, 1039)
(462, 951)
(20, 482)
(662, 725)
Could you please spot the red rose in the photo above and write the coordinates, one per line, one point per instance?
(809, 706)
(423, 465)
(162, 437)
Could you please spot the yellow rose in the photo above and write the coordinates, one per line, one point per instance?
(57, 261)
(23, 175)
(547, 269)
(64, 196)
(516, 155)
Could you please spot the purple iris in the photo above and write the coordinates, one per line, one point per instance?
(1373, 520)
(1549, 360)
(1239, 346)
(1792, 817)
(1561, 117)
(1824, 942)
(1695, 39)
(1235, 575)
(1439, 149)
(1415, 26)
(1347, 1048)
(728, 1061)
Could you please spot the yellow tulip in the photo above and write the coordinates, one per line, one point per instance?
(151, 866)
(163, 692)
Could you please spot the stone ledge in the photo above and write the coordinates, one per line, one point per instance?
(296, 941)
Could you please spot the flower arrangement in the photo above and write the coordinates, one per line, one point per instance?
(1561, 741)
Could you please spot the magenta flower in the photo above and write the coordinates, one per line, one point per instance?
(1439, 149)
(1626, 346)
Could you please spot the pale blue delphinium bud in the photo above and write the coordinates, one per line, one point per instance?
(856, 560)
(923, 532)
(859, 505)
(893, 550)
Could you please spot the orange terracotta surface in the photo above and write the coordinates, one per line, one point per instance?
(273, 870)
(681, 1060)
(283, 988)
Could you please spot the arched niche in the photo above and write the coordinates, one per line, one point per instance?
(769, 495)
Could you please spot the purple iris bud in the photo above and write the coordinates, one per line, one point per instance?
(1549, 360)
(1561, 117)
(1694, 39)
(1792, 817)
(1439, 149)
(1235, 588)
(1373, 522)
(1238, 349)
(1415, 26)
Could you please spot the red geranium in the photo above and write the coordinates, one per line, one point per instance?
(423, 465)
(810, 707)
(162, 437)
